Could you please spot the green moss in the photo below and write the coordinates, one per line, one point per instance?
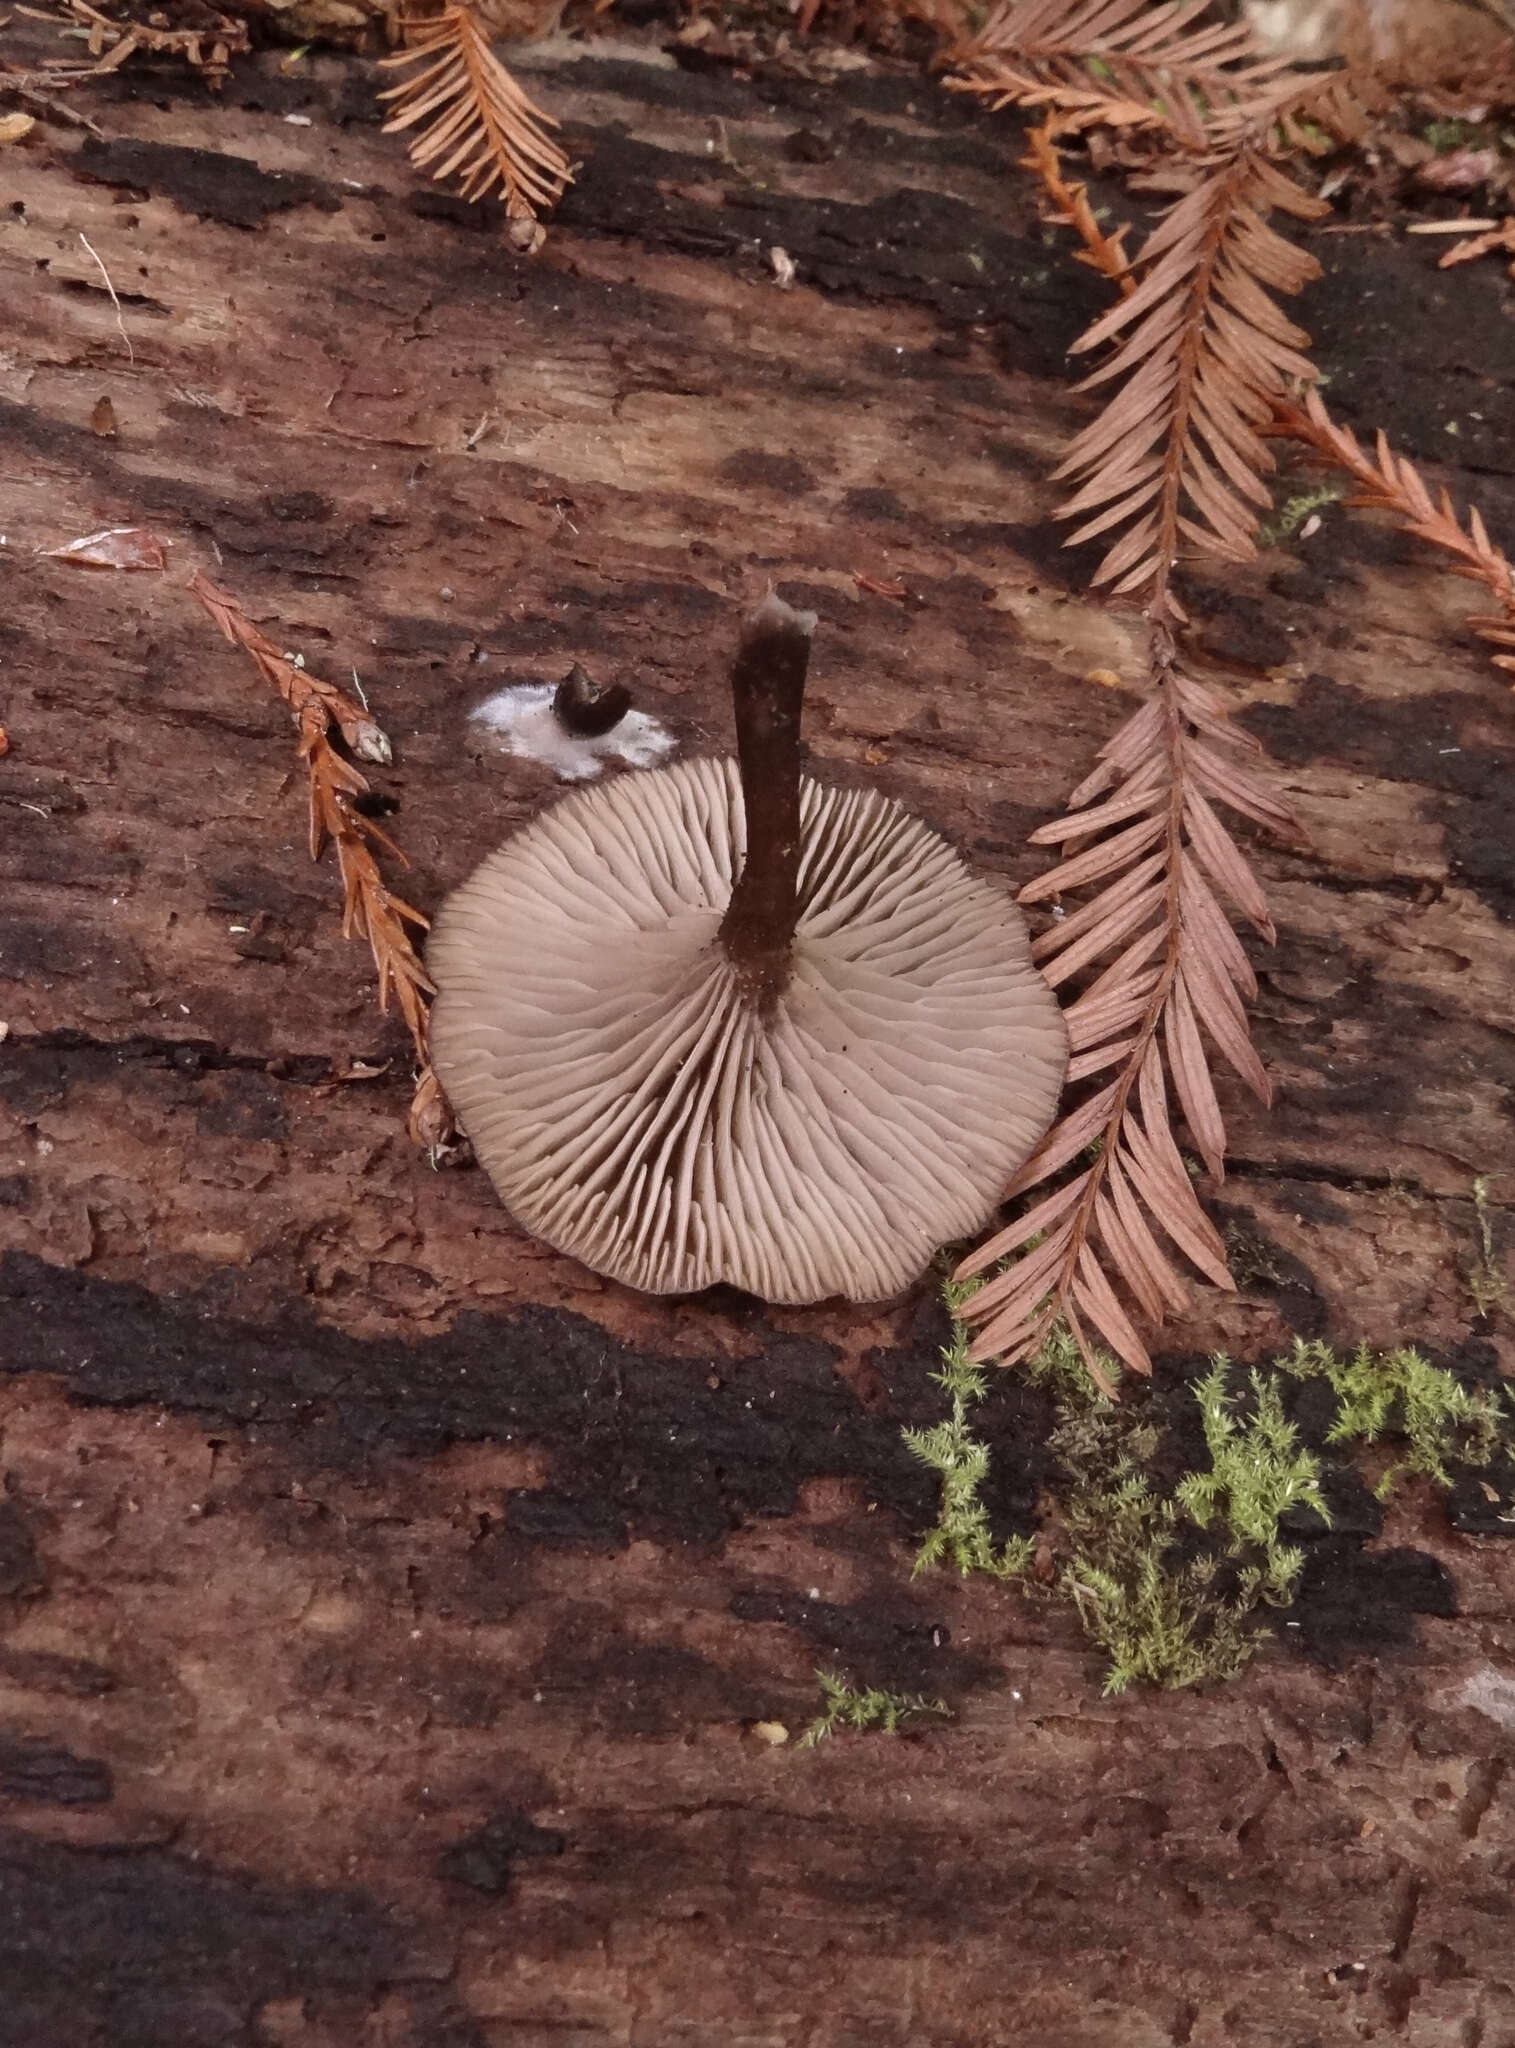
(1446, 135)
(1165, 1608)
(1059, 1369)
(1258, 1472)
(961, 1536)
(1399, 1394)
(1291, 515)
(847, 1706)
(1175, 1583)
(1158, 1616)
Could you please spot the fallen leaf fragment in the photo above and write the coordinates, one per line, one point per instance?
(875, 588)
(14, 126)
(116, 547)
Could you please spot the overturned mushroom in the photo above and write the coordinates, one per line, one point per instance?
(720, 1023)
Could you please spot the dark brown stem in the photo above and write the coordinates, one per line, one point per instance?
(768, 695)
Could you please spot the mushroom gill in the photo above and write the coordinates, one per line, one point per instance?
(709, 1024)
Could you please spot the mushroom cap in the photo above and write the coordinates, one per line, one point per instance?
(636, 1108)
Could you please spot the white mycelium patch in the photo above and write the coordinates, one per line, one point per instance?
(522, 721)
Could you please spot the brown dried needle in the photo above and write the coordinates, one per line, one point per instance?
(1118, 64)
(1388, 482)
(1198, 353)
(1161, 976)
(480, 128)
(208, 47)
(1197, 350)
(1210, 367)
(370, 909)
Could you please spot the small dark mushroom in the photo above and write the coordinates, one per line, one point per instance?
(708, 1024)
(584, 709)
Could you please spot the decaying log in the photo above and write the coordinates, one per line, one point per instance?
(385, 1604)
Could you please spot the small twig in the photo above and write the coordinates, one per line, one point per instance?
(131, 353)
(25, 86)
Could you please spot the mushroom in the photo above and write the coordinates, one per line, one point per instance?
(722, 1023)
(573, 729)
(583, 708)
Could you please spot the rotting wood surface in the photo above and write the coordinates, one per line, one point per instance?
(385, 1601)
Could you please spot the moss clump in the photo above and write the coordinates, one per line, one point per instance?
(1171, 1585)
(1258, 1473)
(1400, 1394)
(1158, 1616)
(848, 1706)
(1291, 515)
(1174, 1582)
(961, 1536)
